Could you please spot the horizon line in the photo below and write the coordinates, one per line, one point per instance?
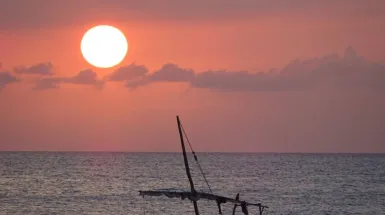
(173, 152)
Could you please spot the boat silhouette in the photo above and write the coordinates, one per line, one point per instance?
(192, 194)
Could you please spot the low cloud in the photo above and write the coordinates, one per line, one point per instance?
(41, 69)
(7, 78)
(168, 73)
(172, 73)
(127, 73)
(348, 71)
(85, 77)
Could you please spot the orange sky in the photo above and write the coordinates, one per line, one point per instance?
(340, 107)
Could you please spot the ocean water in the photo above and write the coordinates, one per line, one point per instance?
(108, 183)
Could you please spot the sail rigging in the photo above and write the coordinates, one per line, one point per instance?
(196, 159)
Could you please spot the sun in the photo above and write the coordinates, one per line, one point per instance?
(104, 46)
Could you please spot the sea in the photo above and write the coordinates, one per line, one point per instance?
(105, 183)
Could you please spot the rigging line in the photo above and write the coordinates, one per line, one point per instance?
(196, 159)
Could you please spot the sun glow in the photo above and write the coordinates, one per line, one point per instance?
(104, 46)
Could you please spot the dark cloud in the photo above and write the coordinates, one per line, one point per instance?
(7, 78)
(172, 73)
(168, 73)
(85, 77)
(127, 73)
(333, 71)
(349, 71)
(44, 69)
(244, 81)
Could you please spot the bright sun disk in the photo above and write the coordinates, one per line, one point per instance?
(104, 46)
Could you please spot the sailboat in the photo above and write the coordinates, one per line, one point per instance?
(193, 195)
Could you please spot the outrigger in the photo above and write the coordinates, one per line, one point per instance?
(194, 195)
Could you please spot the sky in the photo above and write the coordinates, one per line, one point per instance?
(244, 76)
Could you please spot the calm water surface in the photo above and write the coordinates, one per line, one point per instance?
(108, 183)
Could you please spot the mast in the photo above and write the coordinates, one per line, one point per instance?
(187, 165)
